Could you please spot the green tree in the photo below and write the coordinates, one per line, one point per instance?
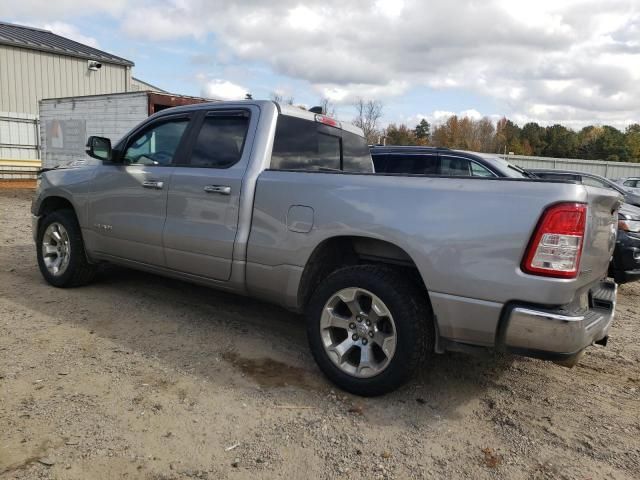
(587, 142)
(591, 142)
(632, 141)
(611, 145)
(534, 136)
(560, 142)
(422, 132)
(400, 135)
(508, 137)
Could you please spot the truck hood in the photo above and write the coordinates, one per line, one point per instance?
(66, 166)
(632, 198)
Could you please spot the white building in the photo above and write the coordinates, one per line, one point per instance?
(37, 64)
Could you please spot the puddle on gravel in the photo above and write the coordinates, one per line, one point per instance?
(270, 373)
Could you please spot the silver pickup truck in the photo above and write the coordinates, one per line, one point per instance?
(282, 204)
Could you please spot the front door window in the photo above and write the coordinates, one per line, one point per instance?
(156, 145)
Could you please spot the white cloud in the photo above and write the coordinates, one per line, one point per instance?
(439, 116)
(221, 89)
(176, 20)
(42, 10)
(347, 93)
(471, 113)
(304, 18)
(389, 8)
(574, 60)
(70, 31)
(575, 56)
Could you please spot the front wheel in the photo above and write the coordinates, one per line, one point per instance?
(60, 249)
(369, 328)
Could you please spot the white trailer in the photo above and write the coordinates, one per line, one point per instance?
(65, 123)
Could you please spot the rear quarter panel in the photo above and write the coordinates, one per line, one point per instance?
(467, 236)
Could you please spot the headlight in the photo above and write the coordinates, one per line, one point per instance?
(629, 225)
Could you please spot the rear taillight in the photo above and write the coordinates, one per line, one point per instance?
(556, 245)
(327, 121)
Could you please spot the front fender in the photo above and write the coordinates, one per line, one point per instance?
(66, 186)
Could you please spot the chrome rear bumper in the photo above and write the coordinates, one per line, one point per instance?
(559, 334)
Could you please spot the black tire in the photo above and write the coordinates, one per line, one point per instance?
(412, 315)
(78, 271)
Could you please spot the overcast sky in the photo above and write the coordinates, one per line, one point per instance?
(574, 62)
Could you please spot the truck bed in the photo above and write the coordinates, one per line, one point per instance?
(466, 236)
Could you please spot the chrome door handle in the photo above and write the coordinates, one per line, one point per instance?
(221, 189)
(153, 184)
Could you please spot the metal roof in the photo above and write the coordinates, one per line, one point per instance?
(46, 41)
(158, 89)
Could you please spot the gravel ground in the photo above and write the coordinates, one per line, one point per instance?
(136, 376)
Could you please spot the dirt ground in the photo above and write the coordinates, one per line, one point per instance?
(136, 376)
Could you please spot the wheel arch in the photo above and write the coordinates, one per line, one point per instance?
(342, 251)
(53, 203)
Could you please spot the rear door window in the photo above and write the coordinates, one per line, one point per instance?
(454, 166)
(220, 140)
(412, 164)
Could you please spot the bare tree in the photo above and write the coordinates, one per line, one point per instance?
(368, 114)
(279, 98)
(328, 107)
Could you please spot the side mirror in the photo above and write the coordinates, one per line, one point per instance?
(99, 147)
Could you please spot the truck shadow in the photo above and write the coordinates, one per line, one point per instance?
(204, 332)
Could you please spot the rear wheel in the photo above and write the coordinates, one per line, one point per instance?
(369, 328)
(60, 249)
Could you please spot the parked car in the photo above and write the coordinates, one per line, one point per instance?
(442, 162)
(630, 184)
(281, 204)
(625, 264)
(588, 179)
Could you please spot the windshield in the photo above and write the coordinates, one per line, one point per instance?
(506, 168)
(615, 187)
